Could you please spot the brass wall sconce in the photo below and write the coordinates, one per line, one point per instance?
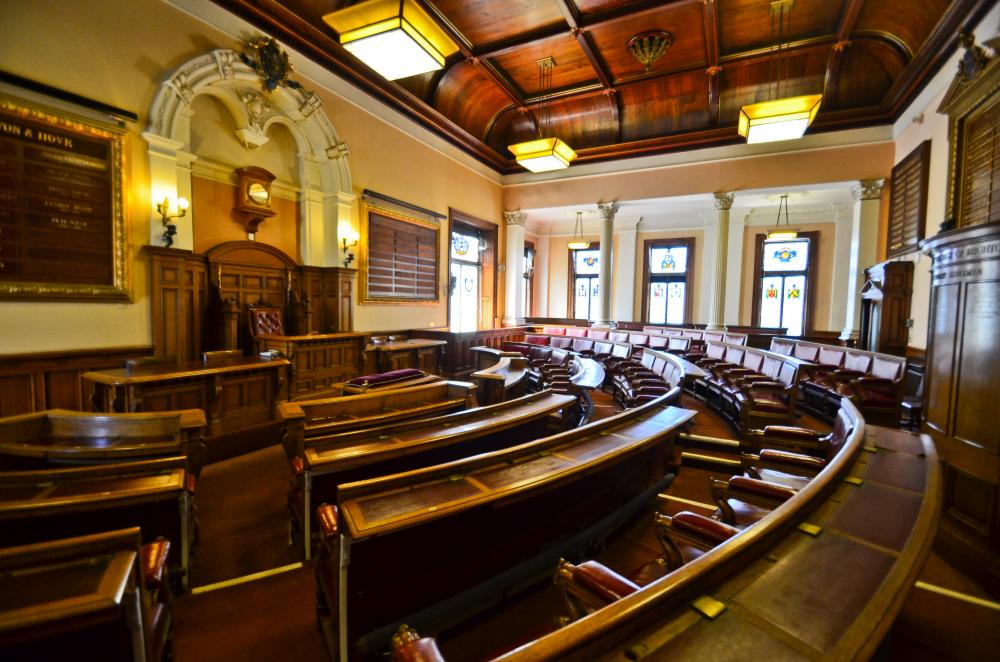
(163, 209)
(348, 242)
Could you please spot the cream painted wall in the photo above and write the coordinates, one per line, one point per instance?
(119, 52)
(815, 166)
(700, 282)
(825, 270)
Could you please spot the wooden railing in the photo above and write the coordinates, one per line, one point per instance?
(459, 360)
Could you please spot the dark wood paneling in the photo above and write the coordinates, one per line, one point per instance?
(178, 293)
(746, 24)
(680, 20)
(898, 18)
(36, 382)
(665, 106)
(572, 66)
(486, 22)
(961, 387)
(465, 81)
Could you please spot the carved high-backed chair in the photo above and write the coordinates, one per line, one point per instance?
(265, 321)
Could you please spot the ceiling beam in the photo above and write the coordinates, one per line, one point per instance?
(711, 23)
(586, 43)
(582, 21)
(465, 48)
(755, 56)
(831, 79)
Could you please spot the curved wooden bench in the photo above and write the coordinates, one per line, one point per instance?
(464, 525)
(831, 588)
(505, 380)
(333, 459)
(313, 418)
(62, 437)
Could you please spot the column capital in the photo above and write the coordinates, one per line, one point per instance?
(724, 200)
(516, 217)
(608, 209)
(867, 189)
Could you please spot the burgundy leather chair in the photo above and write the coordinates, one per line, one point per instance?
(687, 536)
(589, 586)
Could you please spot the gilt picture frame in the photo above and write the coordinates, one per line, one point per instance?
(63, 229)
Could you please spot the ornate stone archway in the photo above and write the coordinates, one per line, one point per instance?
(325, 193)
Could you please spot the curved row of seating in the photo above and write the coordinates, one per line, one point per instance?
(872, 380)
(792, 541)
(636, 381)
(751, 387)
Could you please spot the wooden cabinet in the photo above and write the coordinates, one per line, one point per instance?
(962, 382)
(962, 379)
(885, 307)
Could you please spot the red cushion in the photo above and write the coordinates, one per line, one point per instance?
(603, 581)
(386, 377)
(703, 527)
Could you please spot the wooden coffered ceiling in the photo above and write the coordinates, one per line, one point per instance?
(868, 57)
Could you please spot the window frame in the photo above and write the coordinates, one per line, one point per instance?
(529, 252)
(459, 221)
(571, 283)
(647, 276)
(810, 274)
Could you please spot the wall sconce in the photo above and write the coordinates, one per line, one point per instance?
(349, 241)
(163, 209)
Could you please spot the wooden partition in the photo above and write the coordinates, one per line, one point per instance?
(199, 301)
(51, 380)
(459, 360)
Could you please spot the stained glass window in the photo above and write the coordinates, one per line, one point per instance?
(667, 264)
(783, 286)
(668, 260)
(585, 298)
(587, 262)
(466, 252)
(465, 247)
(786, 255)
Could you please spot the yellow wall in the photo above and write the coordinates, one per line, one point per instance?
(119, 52)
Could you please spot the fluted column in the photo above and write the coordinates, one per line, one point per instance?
(717, 313)
(604, 280)
(864, 241)
(514, 274)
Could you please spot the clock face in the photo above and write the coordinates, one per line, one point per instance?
(258, 194)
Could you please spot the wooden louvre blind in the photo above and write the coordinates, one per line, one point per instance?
(980, 171)
(908, 204)
(402, 259)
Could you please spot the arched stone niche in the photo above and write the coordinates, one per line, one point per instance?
(325, 191)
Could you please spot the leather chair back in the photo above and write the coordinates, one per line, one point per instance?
(602, 348)
(858, 361)
(657, 342)
(753, 360)
(561, 342)
(805, 352)
(576, 332)
(553, 330)
(597, 334)
(831, 356)
(265, 321)
(618, 336)
(678, 344)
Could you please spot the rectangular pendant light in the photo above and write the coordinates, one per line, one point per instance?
(543, 155)
(782, 234)
(396, 38)
(781, 119)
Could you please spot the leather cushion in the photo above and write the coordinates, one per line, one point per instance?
(421, 650)
(603, 581)
(761, 488)
(703, 527)
(154, 561)
(326, 515)
(266, 322)
(792, 432)
(386, 377)
(795, 459)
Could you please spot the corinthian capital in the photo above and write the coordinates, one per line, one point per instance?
(868, 189)
(724, 200)
(608, 209)
(517, 217)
